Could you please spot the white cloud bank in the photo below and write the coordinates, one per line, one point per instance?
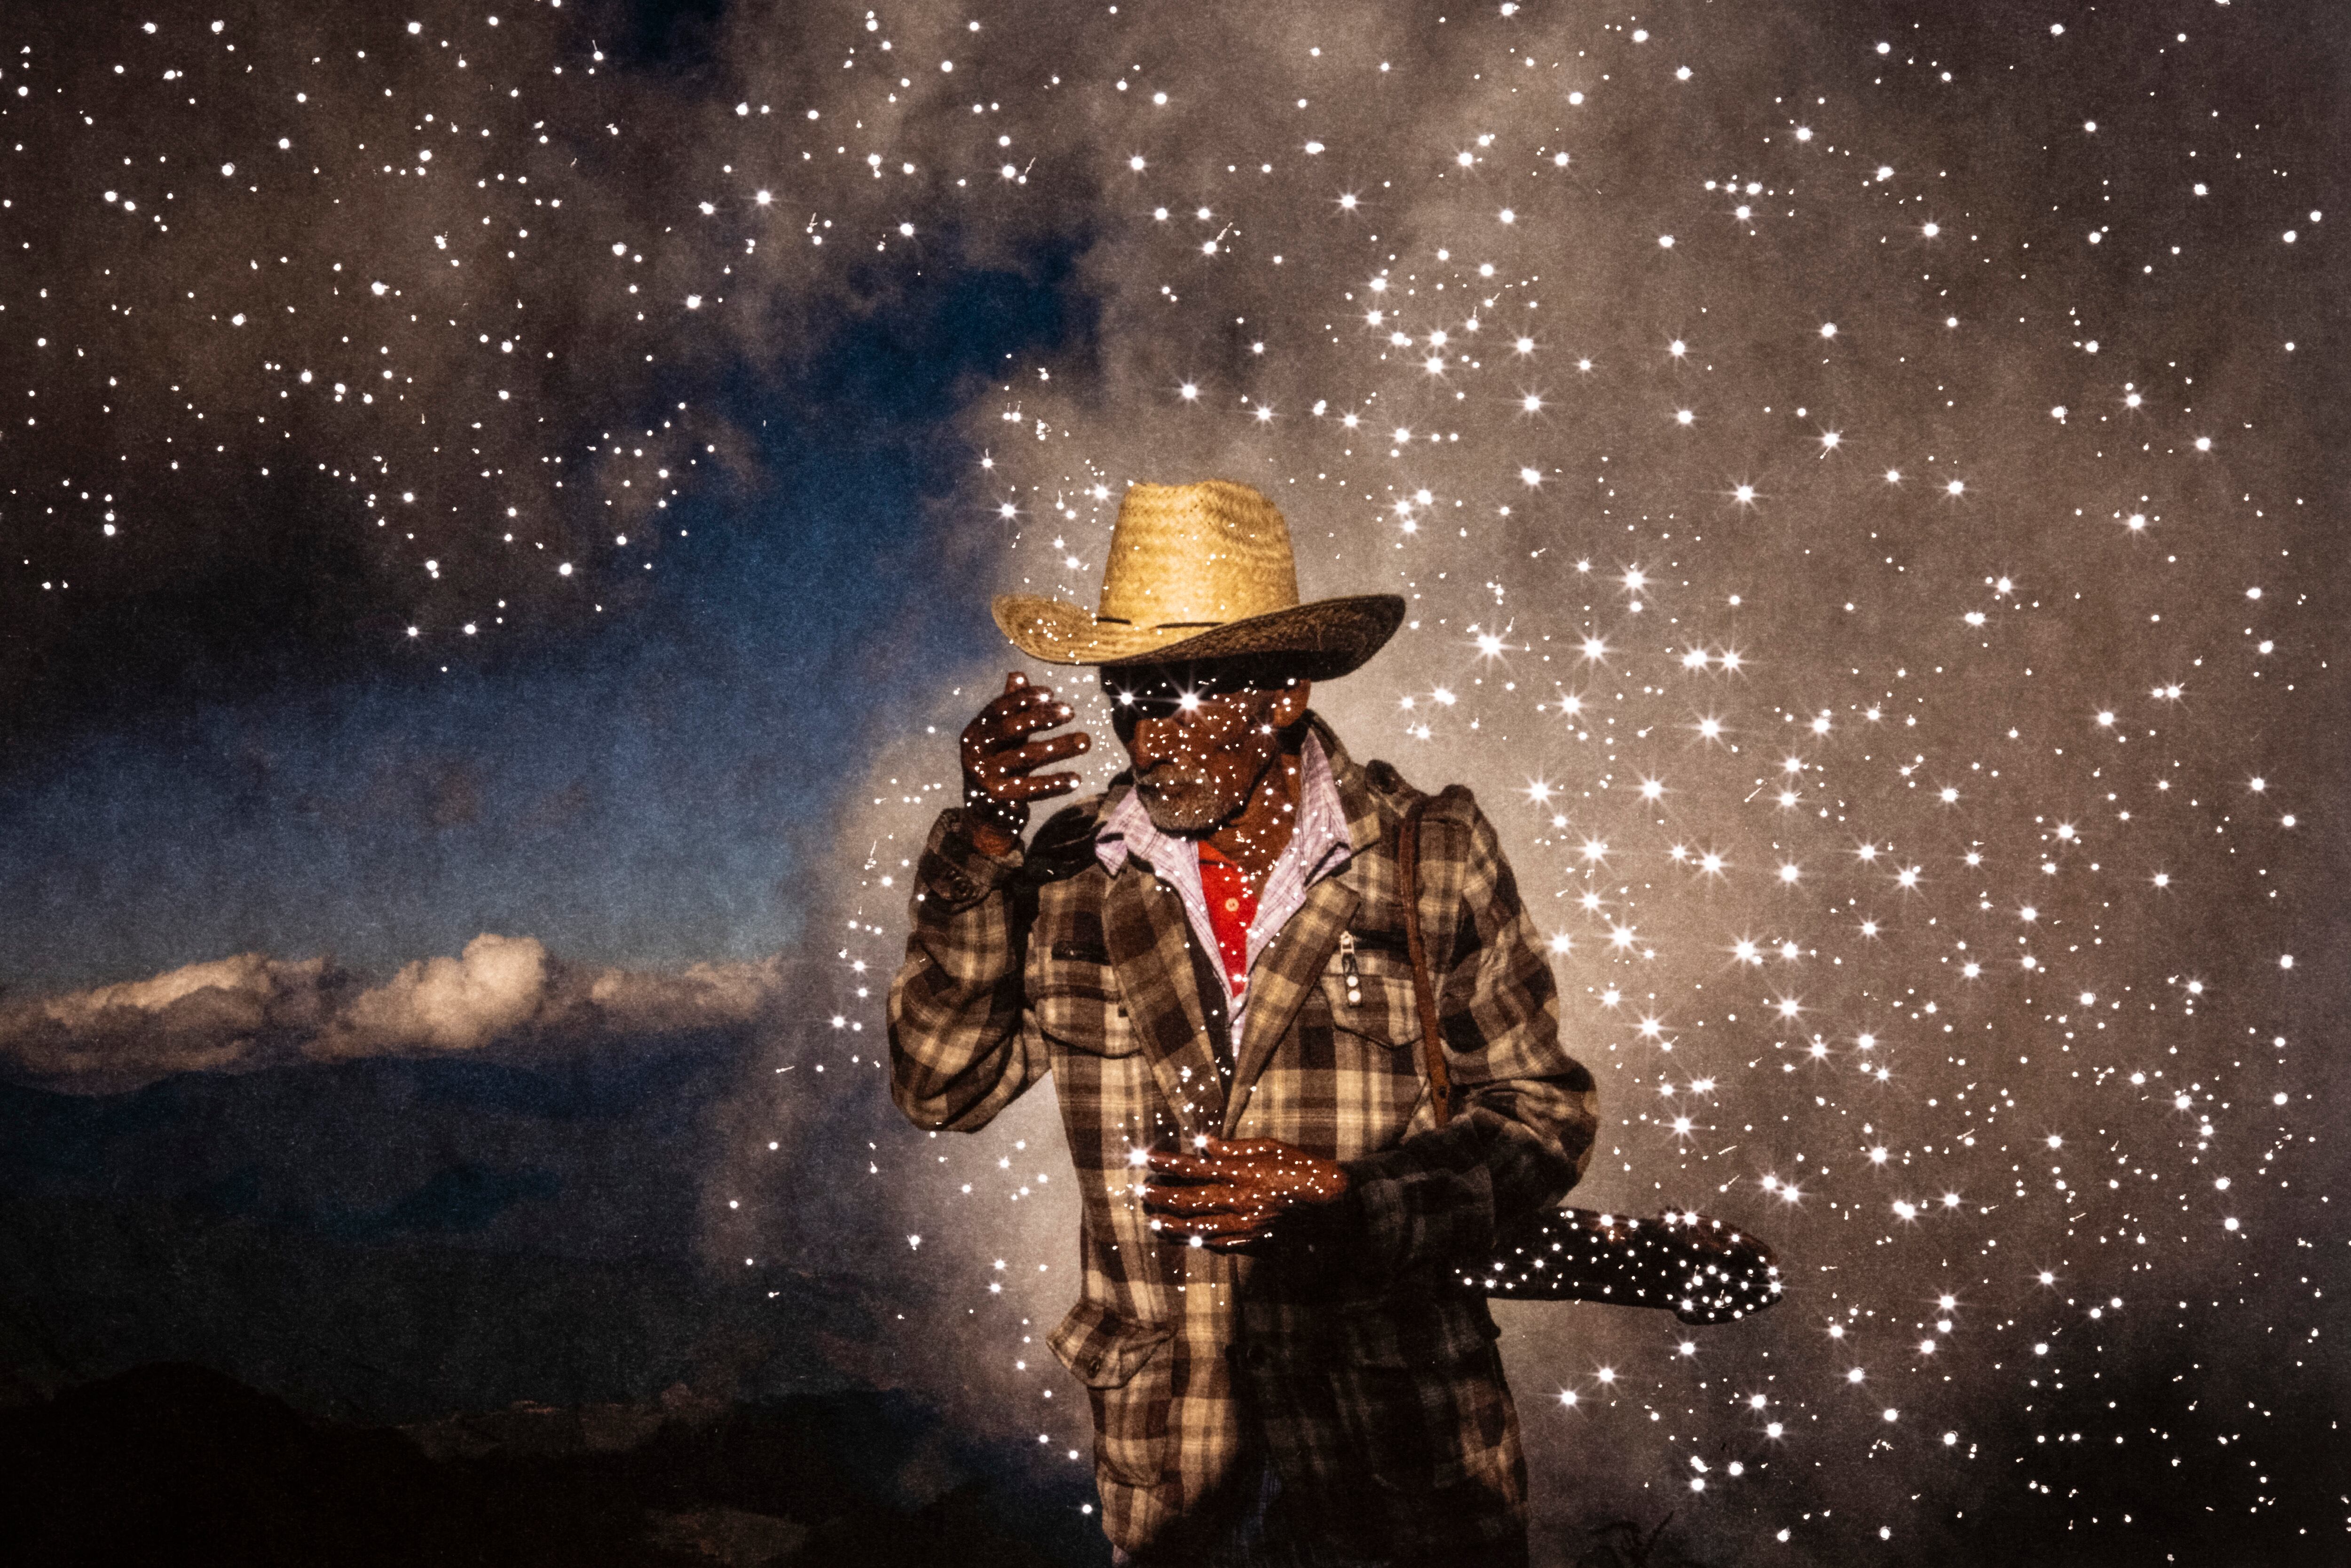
(250, 1011)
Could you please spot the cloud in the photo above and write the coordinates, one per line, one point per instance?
(223, 1015)
(702, 996)
(442, 1004)
(251, 1010)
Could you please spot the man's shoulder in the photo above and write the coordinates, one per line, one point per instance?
(1453, 827)
(1383, 780)
(1383, 786)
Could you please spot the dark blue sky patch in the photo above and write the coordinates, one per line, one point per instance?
(638, 790)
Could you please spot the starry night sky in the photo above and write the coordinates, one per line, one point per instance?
(499, 514)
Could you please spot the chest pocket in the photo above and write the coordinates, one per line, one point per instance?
(1375, 1003)
(1079, 1004)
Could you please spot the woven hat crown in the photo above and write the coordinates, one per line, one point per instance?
(1196, 556)
(1200, 571)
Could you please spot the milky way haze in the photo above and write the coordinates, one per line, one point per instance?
(441, 294)
(1863, 477)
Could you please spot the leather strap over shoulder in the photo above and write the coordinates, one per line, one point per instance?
(1424, 988)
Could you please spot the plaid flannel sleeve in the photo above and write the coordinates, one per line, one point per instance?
(959, 1048)
(1525, 1111)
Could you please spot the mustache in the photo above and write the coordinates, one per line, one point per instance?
(1167, 774)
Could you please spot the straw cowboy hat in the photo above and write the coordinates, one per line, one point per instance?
(1200, 571)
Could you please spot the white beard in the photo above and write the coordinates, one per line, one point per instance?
(1182, 804)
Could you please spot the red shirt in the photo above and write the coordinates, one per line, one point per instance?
(1232, 909)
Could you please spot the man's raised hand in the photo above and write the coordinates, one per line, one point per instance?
(1000, 759)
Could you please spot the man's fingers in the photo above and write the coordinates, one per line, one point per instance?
(1021, 758)
(1007, 720)
(1232, 1222)
(1213, 1191)
(1003, 773)
(992, 734)
(1231, 1151)
(1230, 1227)
(1036, 713)
(1023, 787)
(1191, 1200)
(1247, 1148)
(1240, 1236)
(1014, 699)
(1186, 1167)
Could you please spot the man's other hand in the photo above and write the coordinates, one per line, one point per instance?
(1000, 758)
(1233, 1195)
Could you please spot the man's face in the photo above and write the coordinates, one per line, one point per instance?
(1200, 736)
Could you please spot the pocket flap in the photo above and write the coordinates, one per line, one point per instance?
(1079, 1004)
(1378, 1005)
(1104, 1349)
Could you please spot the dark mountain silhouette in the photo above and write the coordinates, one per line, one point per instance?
(174, 1463)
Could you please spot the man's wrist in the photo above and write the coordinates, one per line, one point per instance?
(994, 824)
(1330, 1183)
(961, 863)
(992, 840)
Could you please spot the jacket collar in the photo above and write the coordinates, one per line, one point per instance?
(1292, 969)
(1366, 814)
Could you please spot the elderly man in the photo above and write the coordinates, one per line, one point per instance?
(1214, 960)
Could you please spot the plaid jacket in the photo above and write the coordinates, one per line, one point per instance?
(1343, 1354)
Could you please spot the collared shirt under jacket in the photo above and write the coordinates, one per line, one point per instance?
(1343, 1353)
(1318, 846)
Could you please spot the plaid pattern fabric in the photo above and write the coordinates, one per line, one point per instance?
(1343, 1353)
(1317, 847)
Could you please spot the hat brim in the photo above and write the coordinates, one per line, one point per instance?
(1330, 636)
